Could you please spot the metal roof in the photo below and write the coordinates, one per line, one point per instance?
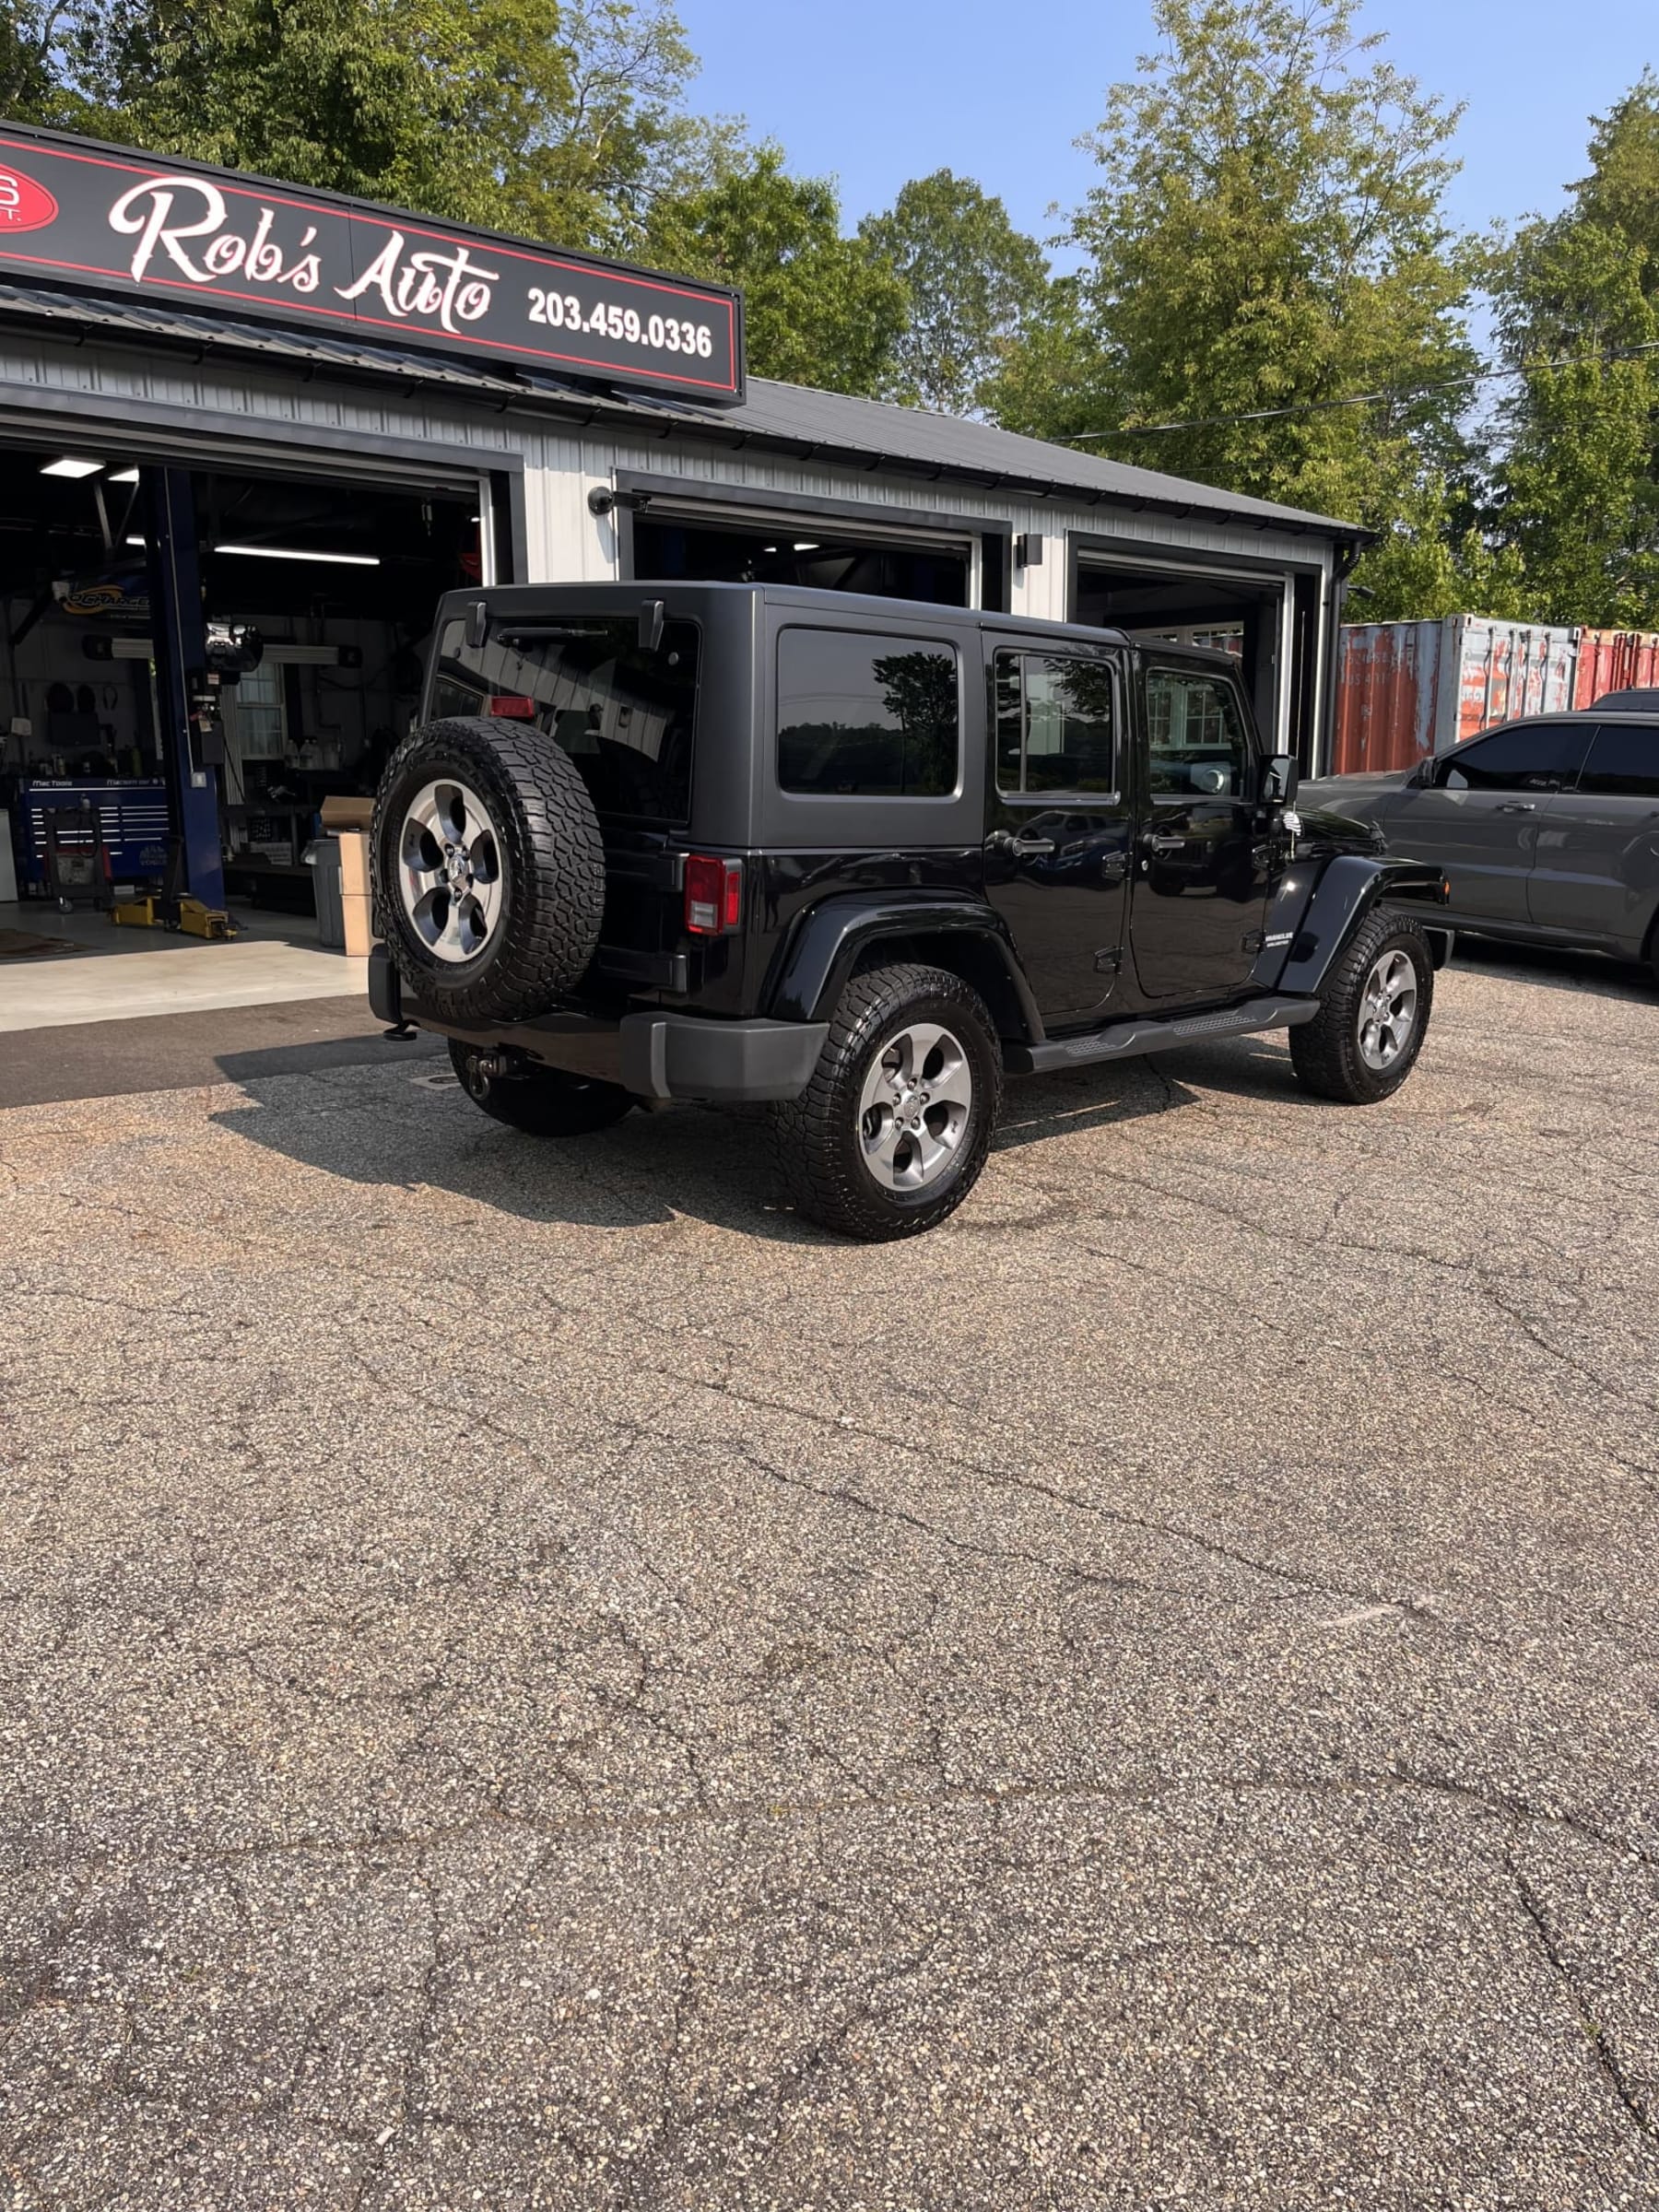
(875, 435)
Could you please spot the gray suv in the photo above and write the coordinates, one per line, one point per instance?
(1546, 828)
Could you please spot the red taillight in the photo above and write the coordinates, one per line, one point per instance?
(713, 895)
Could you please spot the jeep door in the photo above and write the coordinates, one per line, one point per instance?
(1057, 819)
(1595, 869)
(1478, 811)
(1204, 856)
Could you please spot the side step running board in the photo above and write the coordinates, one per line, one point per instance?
(1129, 1040)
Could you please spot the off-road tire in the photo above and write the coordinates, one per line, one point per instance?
(1325, 1052)
(546, 1102)
(816, 1138)
(552, 862)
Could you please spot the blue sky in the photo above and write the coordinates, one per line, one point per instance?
(879, 90)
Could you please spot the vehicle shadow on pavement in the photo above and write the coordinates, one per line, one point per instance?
(1554, 969)
(653, 1168)
(1091, 1098)
(646, 1172)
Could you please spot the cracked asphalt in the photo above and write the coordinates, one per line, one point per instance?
(531, 1679)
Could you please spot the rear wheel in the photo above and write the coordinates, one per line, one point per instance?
(1374, 1013)
(546, 1102)
(891, 1133)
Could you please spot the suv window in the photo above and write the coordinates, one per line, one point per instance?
(1533, 755)
(624, 715)
(865, 716)
(1056, 723)
(1195, 736)
(1624, 761)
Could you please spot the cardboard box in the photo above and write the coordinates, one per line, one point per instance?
(360, 924)
(354, 863)
(347, 814)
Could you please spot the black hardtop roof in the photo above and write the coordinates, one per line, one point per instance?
(523, 599)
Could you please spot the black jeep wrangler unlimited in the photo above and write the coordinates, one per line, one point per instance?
(858, 858)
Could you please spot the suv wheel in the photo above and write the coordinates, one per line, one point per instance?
(489, 869)
(545, 1102)
(1365, 1039)
(890, 1134)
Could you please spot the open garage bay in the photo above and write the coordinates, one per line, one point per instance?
(531, 1679)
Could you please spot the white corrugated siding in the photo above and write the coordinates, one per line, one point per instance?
(574, 459)
(563, 464)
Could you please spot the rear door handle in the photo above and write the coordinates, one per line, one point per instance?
(1518, 807)
(1029, 845)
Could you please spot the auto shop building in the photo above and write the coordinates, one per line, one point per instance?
(230, 409)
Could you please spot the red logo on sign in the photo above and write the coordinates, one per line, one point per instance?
(24, 205)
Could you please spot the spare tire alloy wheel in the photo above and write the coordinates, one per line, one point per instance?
(450, 870)
(488, 870)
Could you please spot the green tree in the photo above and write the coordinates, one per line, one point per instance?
(818, 308)
(973, 282)
(560, 119)
(1621, 193)
(1576, 497)
(1267, 246)
(39, 40)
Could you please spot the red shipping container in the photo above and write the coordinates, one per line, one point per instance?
(1614, 660)
(1405, 689)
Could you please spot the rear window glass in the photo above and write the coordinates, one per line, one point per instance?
(624, 715)
(1624, 761)
(865, 716)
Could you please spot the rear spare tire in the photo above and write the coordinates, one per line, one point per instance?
(489, 869)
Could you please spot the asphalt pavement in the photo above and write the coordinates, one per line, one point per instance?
(531, 1679)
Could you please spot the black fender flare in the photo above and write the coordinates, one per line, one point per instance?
(1321, 903)
(828, 941)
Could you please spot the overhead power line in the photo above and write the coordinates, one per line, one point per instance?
(1361, 399)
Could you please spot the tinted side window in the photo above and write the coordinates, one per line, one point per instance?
(1624, 761)
(624, 715)
(866, 716)
(1533, 755)
(1056, 723)
(1195, 736)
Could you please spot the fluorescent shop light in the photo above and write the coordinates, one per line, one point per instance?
(136, 541)
(350, 560)
(70, 466)
(124, 476)
(806, 545)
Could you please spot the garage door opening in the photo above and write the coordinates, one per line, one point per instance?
(1239, 612)
(668, 546)
(119, 752)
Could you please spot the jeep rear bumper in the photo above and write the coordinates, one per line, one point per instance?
(652, 1055)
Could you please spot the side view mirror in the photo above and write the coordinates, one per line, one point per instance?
(1281, 778)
